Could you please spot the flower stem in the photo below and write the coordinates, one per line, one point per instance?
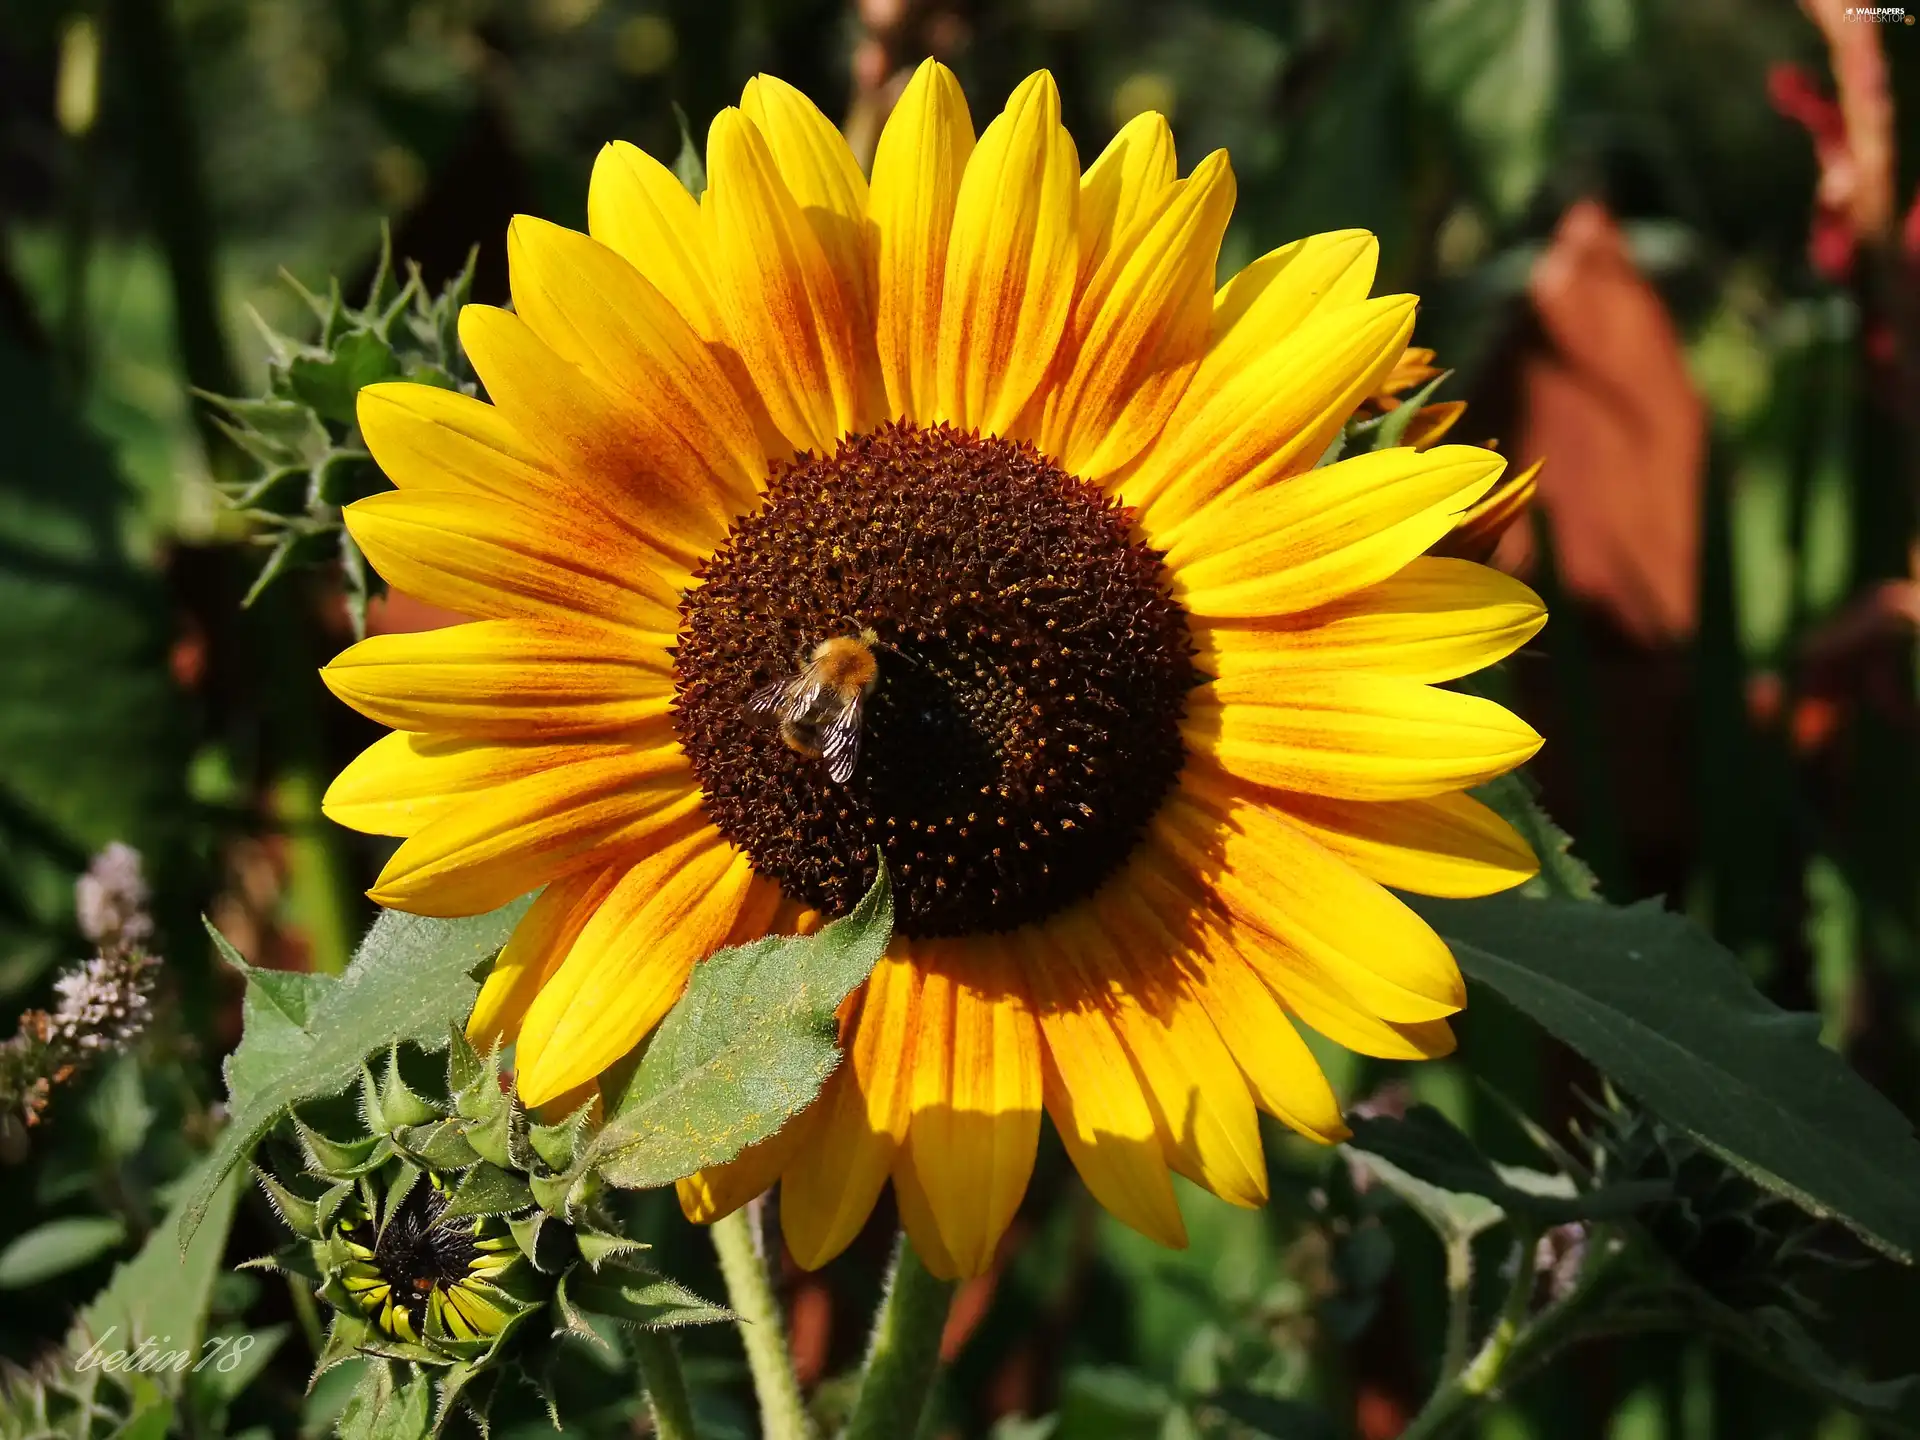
(666, 1385)
(783, 1414)
(1459, 1305)
(905, 1353)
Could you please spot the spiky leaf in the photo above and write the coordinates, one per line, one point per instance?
(411, 978)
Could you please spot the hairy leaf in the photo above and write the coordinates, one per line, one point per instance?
(748, 1045)
(1659, 1006)
(306, 1036)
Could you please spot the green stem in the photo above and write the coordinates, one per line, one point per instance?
(1453, 1357)
(666, 1385)
(1517, 1346)
(783, 1414)
(905, 1353)
(1487, 1365)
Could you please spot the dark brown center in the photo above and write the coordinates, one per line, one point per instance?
(1033, 671)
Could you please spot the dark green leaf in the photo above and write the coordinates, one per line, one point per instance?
(411, 978)
(747, 1046)
(1562, 872)
(57, 1247)
(1427, 1146)
(1275, 1418)
(1490, 70)
(93, 733)
(1108, 1403)
(1657, 1005)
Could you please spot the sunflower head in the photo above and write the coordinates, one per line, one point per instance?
(1149, 709)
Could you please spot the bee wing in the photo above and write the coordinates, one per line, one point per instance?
(790, 698)
(840, 744)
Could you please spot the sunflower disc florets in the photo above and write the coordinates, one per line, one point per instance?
(454, 1232)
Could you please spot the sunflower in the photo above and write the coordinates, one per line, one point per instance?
(1154, 721)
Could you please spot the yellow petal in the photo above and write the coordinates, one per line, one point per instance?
(1266, 875)
(595, 311)
(1268, 418)
(1435, 620)
(1012, 260)
(916, 180)
(827, 1194)
(916, 1218)
(1137, 165)
(1354, 736)
(426, 438)
(820, 172)
(1266, 302)
(797, 322)
(505, 680)
(601, 442)
(630, 963)
(494, 560)
(1325, 534)
(520, 835)
(403, 782)
(539, 943)
(1200, 1100)
(1138, 332)
(975, 1088)
(1091, 1090)
(1307, 982)
(1280, 1071)
(639, 208)
(1449, 845)
(1431, 422)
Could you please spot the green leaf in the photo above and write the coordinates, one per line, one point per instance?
(748, 1045)
(411, 978)
(688, 168)
(1426, 1146)
(57, 1247)
(1490, 70)
(1109, 1403)
(94, 741)
(1562, 873)
(1275, 1418)
(1670, 1016)
(330, 383)
(164, 1291)
(634, 1296)
(386, 1408)
(1391, 428)
(1451, 1214)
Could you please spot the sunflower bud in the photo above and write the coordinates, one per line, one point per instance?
(302, 435)
(451, 1231)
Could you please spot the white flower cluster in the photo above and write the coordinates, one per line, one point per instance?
(106, 1002)
(110, 900)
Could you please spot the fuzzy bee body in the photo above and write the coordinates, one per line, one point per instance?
(821, 708)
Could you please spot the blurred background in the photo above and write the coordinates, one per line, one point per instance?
(1673, 248)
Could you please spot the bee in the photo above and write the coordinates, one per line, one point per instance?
(820, 708)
